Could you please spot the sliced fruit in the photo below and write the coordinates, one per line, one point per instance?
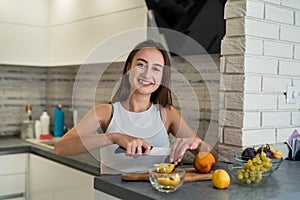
(164, 167)
(204, 162)
(172, 180)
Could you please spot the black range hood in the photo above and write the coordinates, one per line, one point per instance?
(202, 20)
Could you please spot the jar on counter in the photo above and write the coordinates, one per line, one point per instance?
(27, 127)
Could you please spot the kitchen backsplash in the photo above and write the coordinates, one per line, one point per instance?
(45, 87)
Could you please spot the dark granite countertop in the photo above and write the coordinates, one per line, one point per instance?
(283, 184)
(87, 162)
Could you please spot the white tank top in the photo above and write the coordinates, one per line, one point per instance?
(147, 125)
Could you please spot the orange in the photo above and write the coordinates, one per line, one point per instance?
(169, 181)
(204, 162)
(220, 179)
(164, 167)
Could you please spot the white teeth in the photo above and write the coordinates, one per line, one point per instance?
(144, 82)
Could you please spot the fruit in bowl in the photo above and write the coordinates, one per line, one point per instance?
(246, 177)
(166, 182)
(253, 171)
(270, 152)
(265, 152)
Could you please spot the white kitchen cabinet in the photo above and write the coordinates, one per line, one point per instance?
(13, 176)
(101, 195)
(50, 180)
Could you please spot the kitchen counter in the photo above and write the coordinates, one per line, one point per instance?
(86, 162)
(283, 184)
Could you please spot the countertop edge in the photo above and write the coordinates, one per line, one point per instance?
(109, 188)
(13, 145)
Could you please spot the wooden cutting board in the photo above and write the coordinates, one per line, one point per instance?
(190, 175)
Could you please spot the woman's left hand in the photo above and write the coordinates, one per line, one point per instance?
(181, 145)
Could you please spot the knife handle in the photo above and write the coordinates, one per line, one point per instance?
(121, 149)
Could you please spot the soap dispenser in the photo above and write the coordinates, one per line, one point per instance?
(59, 121)
(45, 123)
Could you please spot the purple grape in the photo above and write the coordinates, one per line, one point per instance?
(248, 153)
(267, 151)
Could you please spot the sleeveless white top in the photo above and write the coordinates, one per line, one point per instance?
(147, 125)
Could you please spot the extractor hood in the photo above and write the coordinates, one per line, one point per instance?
(202, 20)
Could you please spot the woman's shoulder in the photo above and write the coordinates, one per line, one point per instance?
(169, 108)
(104, 110)
(169, 111)
(104, 106)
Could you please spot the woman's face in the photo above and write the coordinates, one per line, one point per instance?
(146, 71)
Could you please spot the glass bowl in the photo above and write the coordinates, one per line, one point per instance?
(247, 178)
(275, 162)
(165, 182)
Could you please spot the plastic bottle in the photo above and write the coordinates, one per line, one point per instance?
(27, 128)
(45, 122)
(38, 128)
(59, 121)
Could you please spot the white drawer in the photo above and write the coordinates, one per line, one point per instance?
(12, 184)
(13, 163)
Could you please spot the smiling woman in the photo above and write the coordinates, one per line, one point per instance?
(140, 116)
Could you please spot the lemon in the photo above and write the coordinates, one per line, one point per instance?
(164, 168)
(169, 180)
(220, 179)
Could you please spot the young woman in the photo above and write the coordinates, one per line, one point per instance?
(139, 117)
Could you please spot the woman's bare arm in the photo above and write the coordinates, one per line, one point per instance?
(186, 138)
(82, 137)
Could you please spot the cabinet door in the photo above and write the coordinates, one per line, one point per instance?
(13, 168)
(50, 180)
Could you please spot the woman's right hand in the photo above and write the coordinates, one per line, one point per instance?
(133, 145)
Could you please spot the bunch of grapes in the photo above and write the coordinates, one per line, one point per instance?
(253, 169)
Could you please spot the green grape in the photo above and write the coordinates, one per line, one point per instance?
(259, 162)
(251, 173)
(248, 181)
(240, 176)
(254, 160)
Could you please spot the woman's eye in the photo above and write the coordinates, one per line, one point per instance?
(157, 69)
(141, 65)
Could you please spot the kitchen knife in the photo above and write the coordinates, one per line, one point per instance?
(155, 151)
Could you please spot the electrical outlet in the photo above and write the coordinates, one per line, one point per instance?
(291, 94)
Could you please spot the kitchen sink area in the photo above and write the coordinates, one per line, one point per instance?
(49, 143)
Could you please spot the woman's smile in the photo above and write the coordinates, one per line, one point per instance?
(145, 83)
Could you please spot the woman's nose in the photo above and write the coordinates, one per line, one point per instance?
(147, 71)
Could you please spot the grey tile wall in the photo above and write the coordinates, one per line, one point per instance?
(19, 86)
(83, 87)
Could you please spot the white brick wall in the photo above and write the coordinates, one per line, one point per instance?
(276, 119)
(260, 65)
(257, 137)
(261, 57)
(296, 51)
(278, 49)
(262, 29)
(252, 84)
(251, 120)
(289, 67)
(290, 33)
(279, 14)
(255, 9)
(275, 84)
(260, 101)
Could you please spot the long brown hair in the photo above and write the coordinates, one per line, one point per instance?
(162, 95)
